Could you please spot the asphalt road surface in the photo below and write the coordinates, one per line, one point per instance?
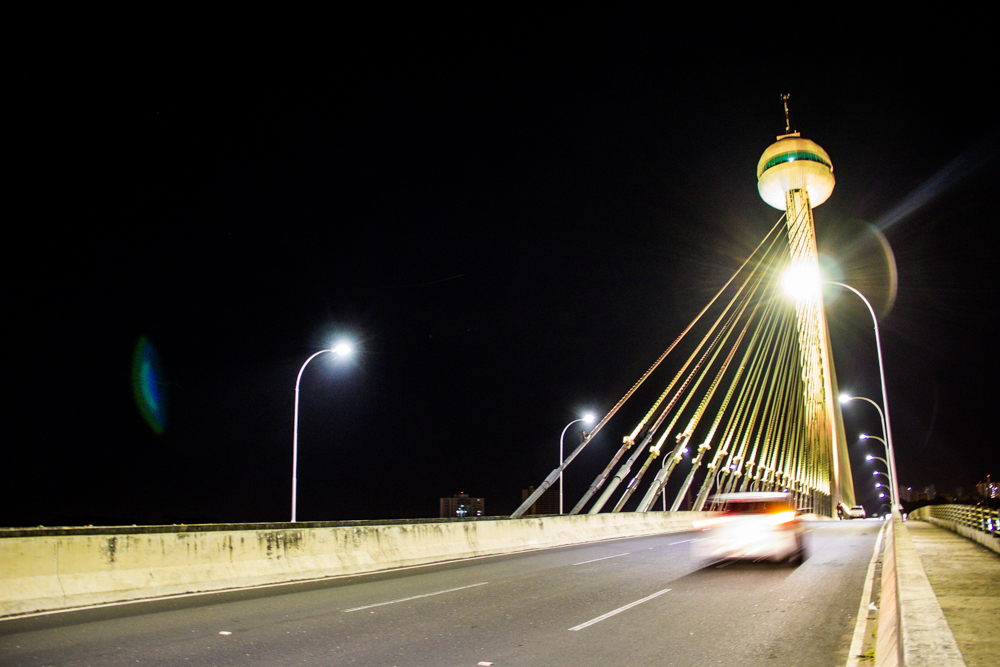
(640, 601)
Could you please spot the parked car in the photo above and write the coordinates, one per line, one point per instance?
(751, 526)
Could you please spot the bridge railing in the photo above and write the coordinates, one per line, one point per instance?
(981, 524)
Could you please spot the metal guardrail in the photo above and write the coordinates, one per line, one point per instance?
(983, 519)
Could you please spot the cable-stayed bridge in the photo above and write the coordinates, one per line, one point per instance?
(747, 390)
(749, 387)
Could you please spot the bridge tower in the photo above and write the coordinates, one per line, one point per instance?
(794, 175)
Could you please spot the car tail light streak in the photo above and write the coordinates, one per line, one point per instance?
(781, 518)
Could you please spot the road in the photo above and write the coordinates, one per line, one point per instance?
(639, 601)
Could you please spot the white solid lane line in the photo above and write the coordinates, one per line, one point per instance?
(416, 597)
(584, 562)
(617, 611)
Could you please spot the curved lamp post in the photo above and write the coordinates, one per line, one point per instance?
(587, 418)
(885, 398)
(339, 350)
(844, 398)
(893, 496)
(879, 472)
(892, 489)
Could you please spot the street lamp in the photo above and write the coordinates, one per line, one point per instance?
(872, 457)
(338, 350)
(885, 399)
(586, 419)
(879, 487)
(892, 473)
(844, 399)
(865, 436)
(800, 283)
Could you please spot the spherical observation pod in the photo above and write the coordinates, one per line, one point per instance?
(793, 163)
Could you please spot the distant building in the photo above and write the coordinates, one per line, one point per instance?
(989, 488)
(929, 492)
(547, 503)
(462, 505)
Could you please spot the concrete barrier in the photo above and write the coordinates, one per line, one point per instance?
(49, 569)
(912, 629)
(888, 645)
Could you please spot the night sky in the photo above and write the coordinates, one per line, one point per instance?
(512, 225)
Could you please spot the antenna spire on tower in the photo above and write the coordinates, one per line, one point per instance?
(788, 124)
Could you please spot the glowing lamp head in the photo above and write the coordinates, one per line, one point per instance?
(801, 282)
(794, 163)
(342, 349)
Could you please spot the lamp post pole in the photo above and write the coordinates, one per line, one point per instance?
(340, 350)
(885, 398)
(585, 418)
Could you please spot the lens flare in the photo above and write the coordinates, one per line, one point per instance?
(147, 385)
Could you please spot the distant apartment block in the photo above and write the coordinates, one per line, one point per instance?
(989, 488)
(462, 505)
(547, 503)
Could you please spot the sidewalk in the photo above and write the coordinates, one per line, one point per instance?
(965, 578)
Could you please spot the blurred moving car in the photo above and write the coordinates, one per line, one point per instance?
(751, 526)
(856, 512)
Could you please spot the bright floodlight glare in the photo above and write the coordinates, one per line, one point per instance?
(342, 349)
(844, 398)
(801, 283)
(588, 418)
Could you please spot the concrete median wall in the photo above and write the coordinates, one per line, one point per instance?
(49, 569)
